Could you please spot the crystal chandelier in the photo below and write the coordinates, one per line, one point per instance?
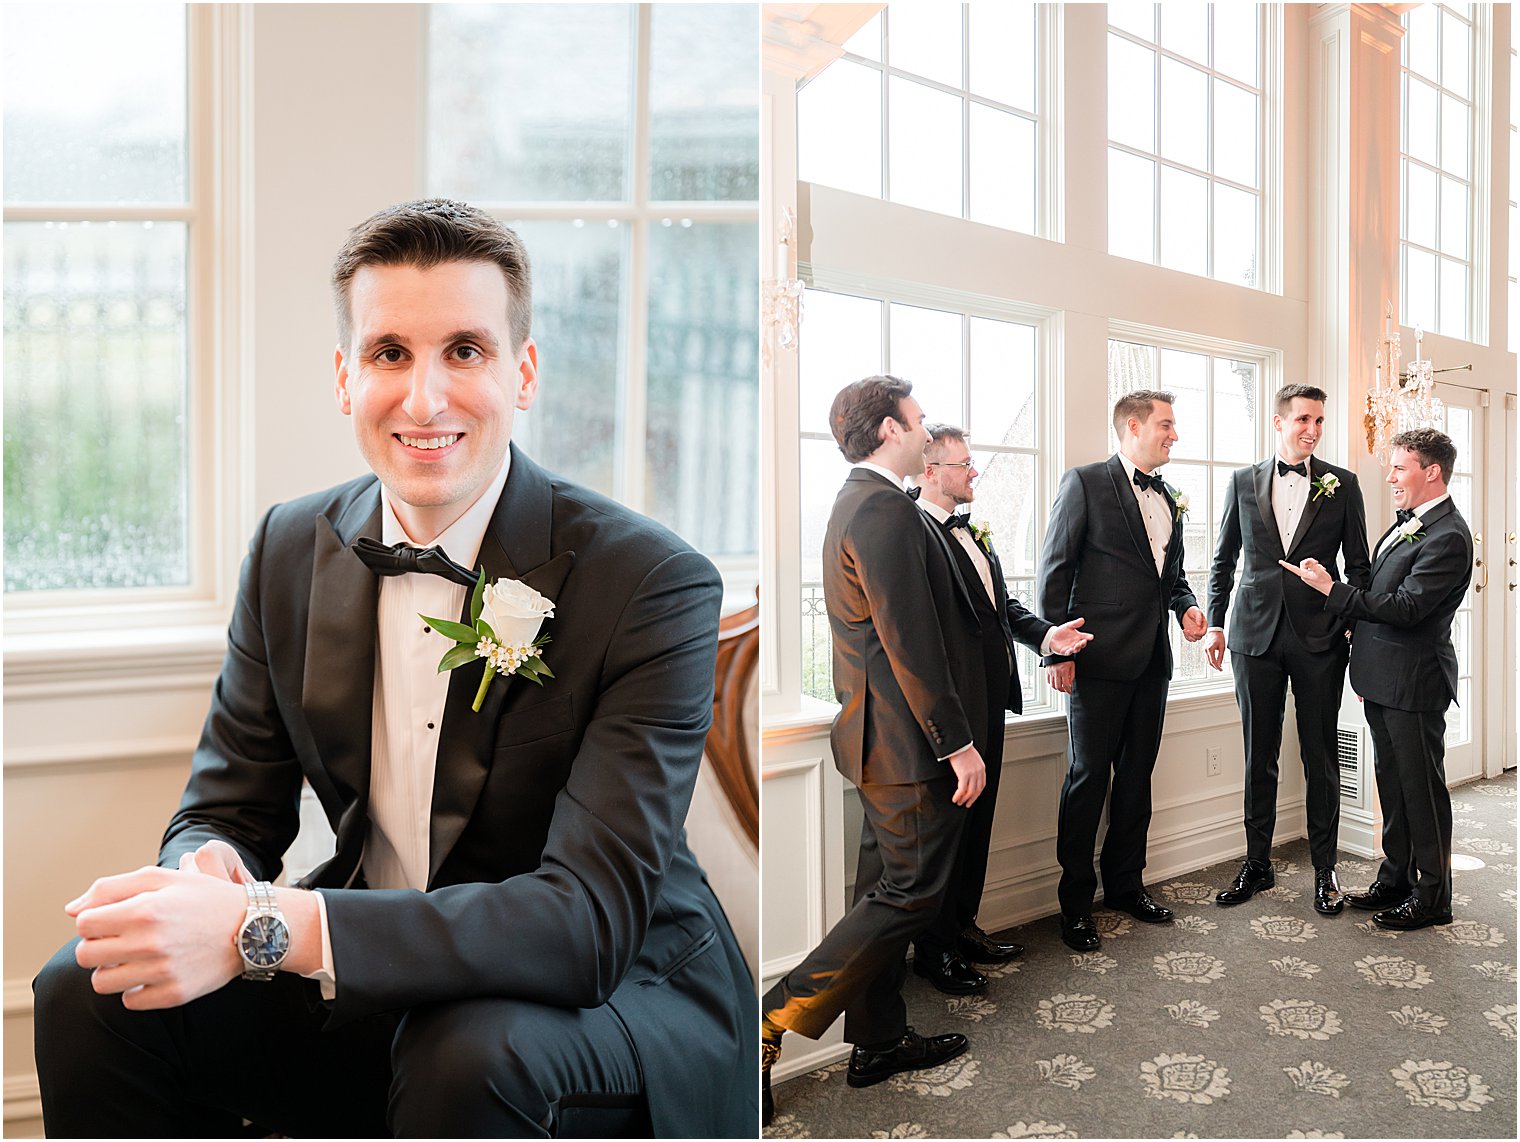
(1401, 401)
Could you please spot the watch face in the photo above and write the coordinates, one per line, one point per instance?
(264, 941)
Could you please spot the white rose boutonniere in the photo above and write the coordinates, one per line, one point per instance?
(981, 531)
(505, 617)
(1409, 530)
(1181, 503)
(1326, 485)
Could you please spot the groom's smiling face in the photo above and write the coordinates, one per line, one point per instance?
(432, 381)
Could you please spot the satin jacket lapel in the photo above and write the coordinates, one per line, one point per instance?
(1429, 519)
(516, 546)
(1263, 482)
(338, 684)
(1383, 552)
(1174, 544)
(1129, 508)
(947, 545)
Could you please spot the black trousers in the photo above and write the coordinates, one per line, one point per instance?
(1409, 758)
(907, 852)
(1261, 690)
(473, 1068)
(1114, 729)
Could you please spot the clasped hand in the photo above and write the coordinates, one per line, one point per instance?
(160, 937)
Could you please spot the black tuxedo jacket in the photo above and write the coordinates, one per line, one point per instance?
(1097, 564)
(559, 869)
(1401, 651)
(907, 642)
(1268, 594)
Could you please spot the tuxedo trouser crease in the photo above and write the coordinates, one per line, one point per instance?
(908, 842)
(1261, 687)
(1409, 759)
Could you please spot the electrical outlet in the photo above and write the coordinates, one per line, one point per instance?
(1211, 765)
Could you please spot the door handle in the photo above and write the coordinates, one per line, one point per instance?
(1510, 540)
(1479, 564)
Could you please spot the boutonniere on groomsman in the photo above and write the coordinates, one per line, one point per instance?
(1404, 666)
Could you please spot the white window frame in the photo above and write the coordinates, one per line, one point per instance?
(218, 421)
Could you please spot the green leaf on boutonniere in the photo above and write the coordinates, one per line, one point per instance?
(506, 640)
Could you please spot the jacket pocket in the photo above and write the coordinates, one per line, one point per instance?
(534, 723)
(692, 951)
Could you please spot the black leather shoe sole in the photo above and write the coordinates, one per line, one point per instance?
(881, 1073)
(979, 954)
(1239, 895)
(1152, 915)
(1400, 924)
(951, 985)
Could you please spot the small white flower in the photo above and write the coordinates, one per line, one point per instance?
(1326, 485)
(1409, 530)
(1181, 502)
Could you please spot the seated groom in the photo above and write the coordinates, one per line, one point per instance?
(512, 938)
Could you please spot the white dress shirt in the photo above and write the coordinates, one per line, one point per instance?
(1290, 496)
(1393, 536)
(1157, 511)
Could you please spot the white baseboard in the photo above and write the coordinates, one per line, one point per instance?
(799, 1055)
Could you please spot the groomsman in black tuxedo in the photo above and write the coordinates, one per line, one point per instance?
(1404, 666)
(913, 704)
(1113, 554)
(944, 951)
(1291, 506)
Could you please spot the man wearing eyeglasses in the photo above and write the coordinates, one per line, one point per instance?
(944, 952)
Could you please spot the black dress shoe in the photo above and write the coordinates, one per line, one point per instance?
(949, 973)
(1409, 915)
(976, 947)
(1328, 900)
(1254, 875)
(1141, 907)
(1079, 933)
(913, 1052)
(1378, 897)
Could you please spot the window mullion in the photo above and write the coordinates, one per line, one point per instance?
(629, 479)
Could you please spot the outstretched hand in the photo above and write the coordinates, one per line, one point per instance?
(1312, 572)
(1067, 639)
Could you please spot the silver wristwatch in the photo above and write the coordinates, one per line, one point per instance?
(263, 938)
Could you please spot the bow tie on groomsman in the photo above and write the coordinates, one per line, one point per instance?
(1153, 481)
(404, 559)
(956, 520)
(1301, 468)
(1403, 515)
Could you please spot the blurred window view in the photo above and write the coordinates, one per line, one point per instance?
(100, 224)
(622, 142)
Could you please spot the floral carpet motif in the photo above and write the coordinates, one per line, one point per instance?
(1259, 1021)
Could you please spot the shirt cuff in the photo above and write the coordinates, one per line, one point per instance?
(324, 975)
(1045, 642)
(1211, 630)
(953, 752)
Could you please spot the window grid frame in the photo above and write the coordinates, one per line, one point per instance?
(1266, 126)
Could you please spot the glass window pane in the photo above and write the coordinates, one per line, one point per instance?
(926, 40)
(1455, 55)
(577, 318)
(1235, 122)
(925, 147)
(924, 346)
(529, 103)
(1184, 114)
(1235, 235)
(1420, 41)
(1130, 367)
(703, 475)
(1185, 28)
(1453, 299)
(1003, 383)
(1002, 169)
(1131, 84)
(1186, 375)
(1454, 136)
(704, 111)
(867, 41)
(1008, 498)
(1235, 32)
(843, 344)
(1420, 112)
(94, 103)
(1419, 288)
(1184, 221)
(96, 405)
(1420, 205)
(839, 128)
(1135, 18)
(1234, 411)
(1001, 45)
(1131, 206)
(823, 471)
(1453, 218)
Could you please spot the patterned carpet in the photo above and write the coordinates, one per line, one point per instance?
(1265, 1020)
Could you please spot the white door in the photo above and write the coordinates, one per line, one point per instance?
(1511, 594)
(1464, 423)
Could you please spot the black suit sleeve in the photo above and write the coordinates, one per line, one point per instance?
(1354, 554)
(1061, 558)
(1227, 555)
(1028, 627)
(1439, 567)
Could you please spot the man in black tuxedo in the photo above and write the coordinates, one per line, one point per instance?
(511, 939)
(944, 951)
(907, 672)
(1290, 506)
(1404, 666)
(1113, 554)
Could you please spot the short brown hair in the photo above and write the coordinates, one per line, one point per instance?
(857, 412)
(1431, 447)
(938, 434)
(1287, 394)
(1140, 404)
(428, 233)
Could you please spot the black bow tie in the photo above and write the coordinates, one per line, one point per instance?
(1154, 482)
(1404, 515)
(403, 559)
(1283, 469)
(956, 520)
(914, 493)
